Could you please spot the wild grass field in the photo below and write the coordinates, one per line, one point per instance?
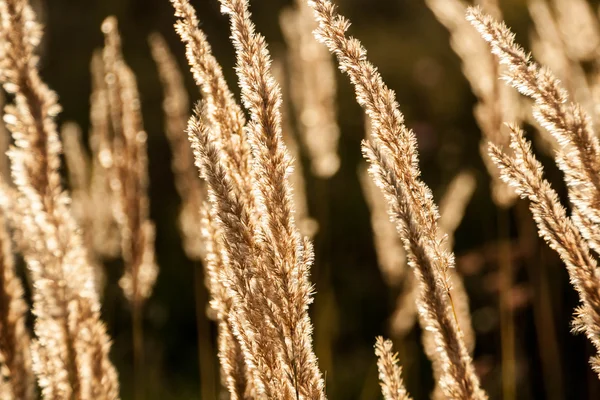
(233, 199)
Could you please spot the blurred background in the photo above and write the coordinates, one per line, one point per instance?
(353, 302)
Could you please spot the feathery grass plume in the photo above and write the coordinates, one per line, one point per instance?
(78, 167)
(224, 114)
(70, 352)
(263, 343)
(231, 358)
(390, 374)
(225, 120)
(106, 237)
(497, 103)
(131, 173)
(308, 226)
(394, 159)
(251, 313)
(388, 246)
(129, 181)
(452, 209)
(14, 337)
(437, 310)
(289, 256)
(453, 205)
(313, 89)
(463, 316)
(392, 257)
(574, 77)
(579, 153)
(524, 172)
(177, 112)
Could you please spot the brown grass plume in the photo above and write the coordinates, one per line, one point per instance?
(70, 352)
(393, 158)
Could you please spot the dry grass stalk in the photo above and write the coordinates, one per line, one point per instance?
(15, 356)
(289, 256)
(250, 314)
(130, 176)
(70, 352)
(452, 209)
(437, 309)
(389, 250)
(269, 315)
(177, 112)
(392, 257)
(453, 205)
(129, 181)
(576, 144)
(279, 258)
(14, 214)
(226, 121)
(312, 89)
(524, 173)
(106, 238)
(460, 301)
(231, 358)
(546, 41)
(390, 374)
(393, 158)
(224, 114)
(579, 153)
